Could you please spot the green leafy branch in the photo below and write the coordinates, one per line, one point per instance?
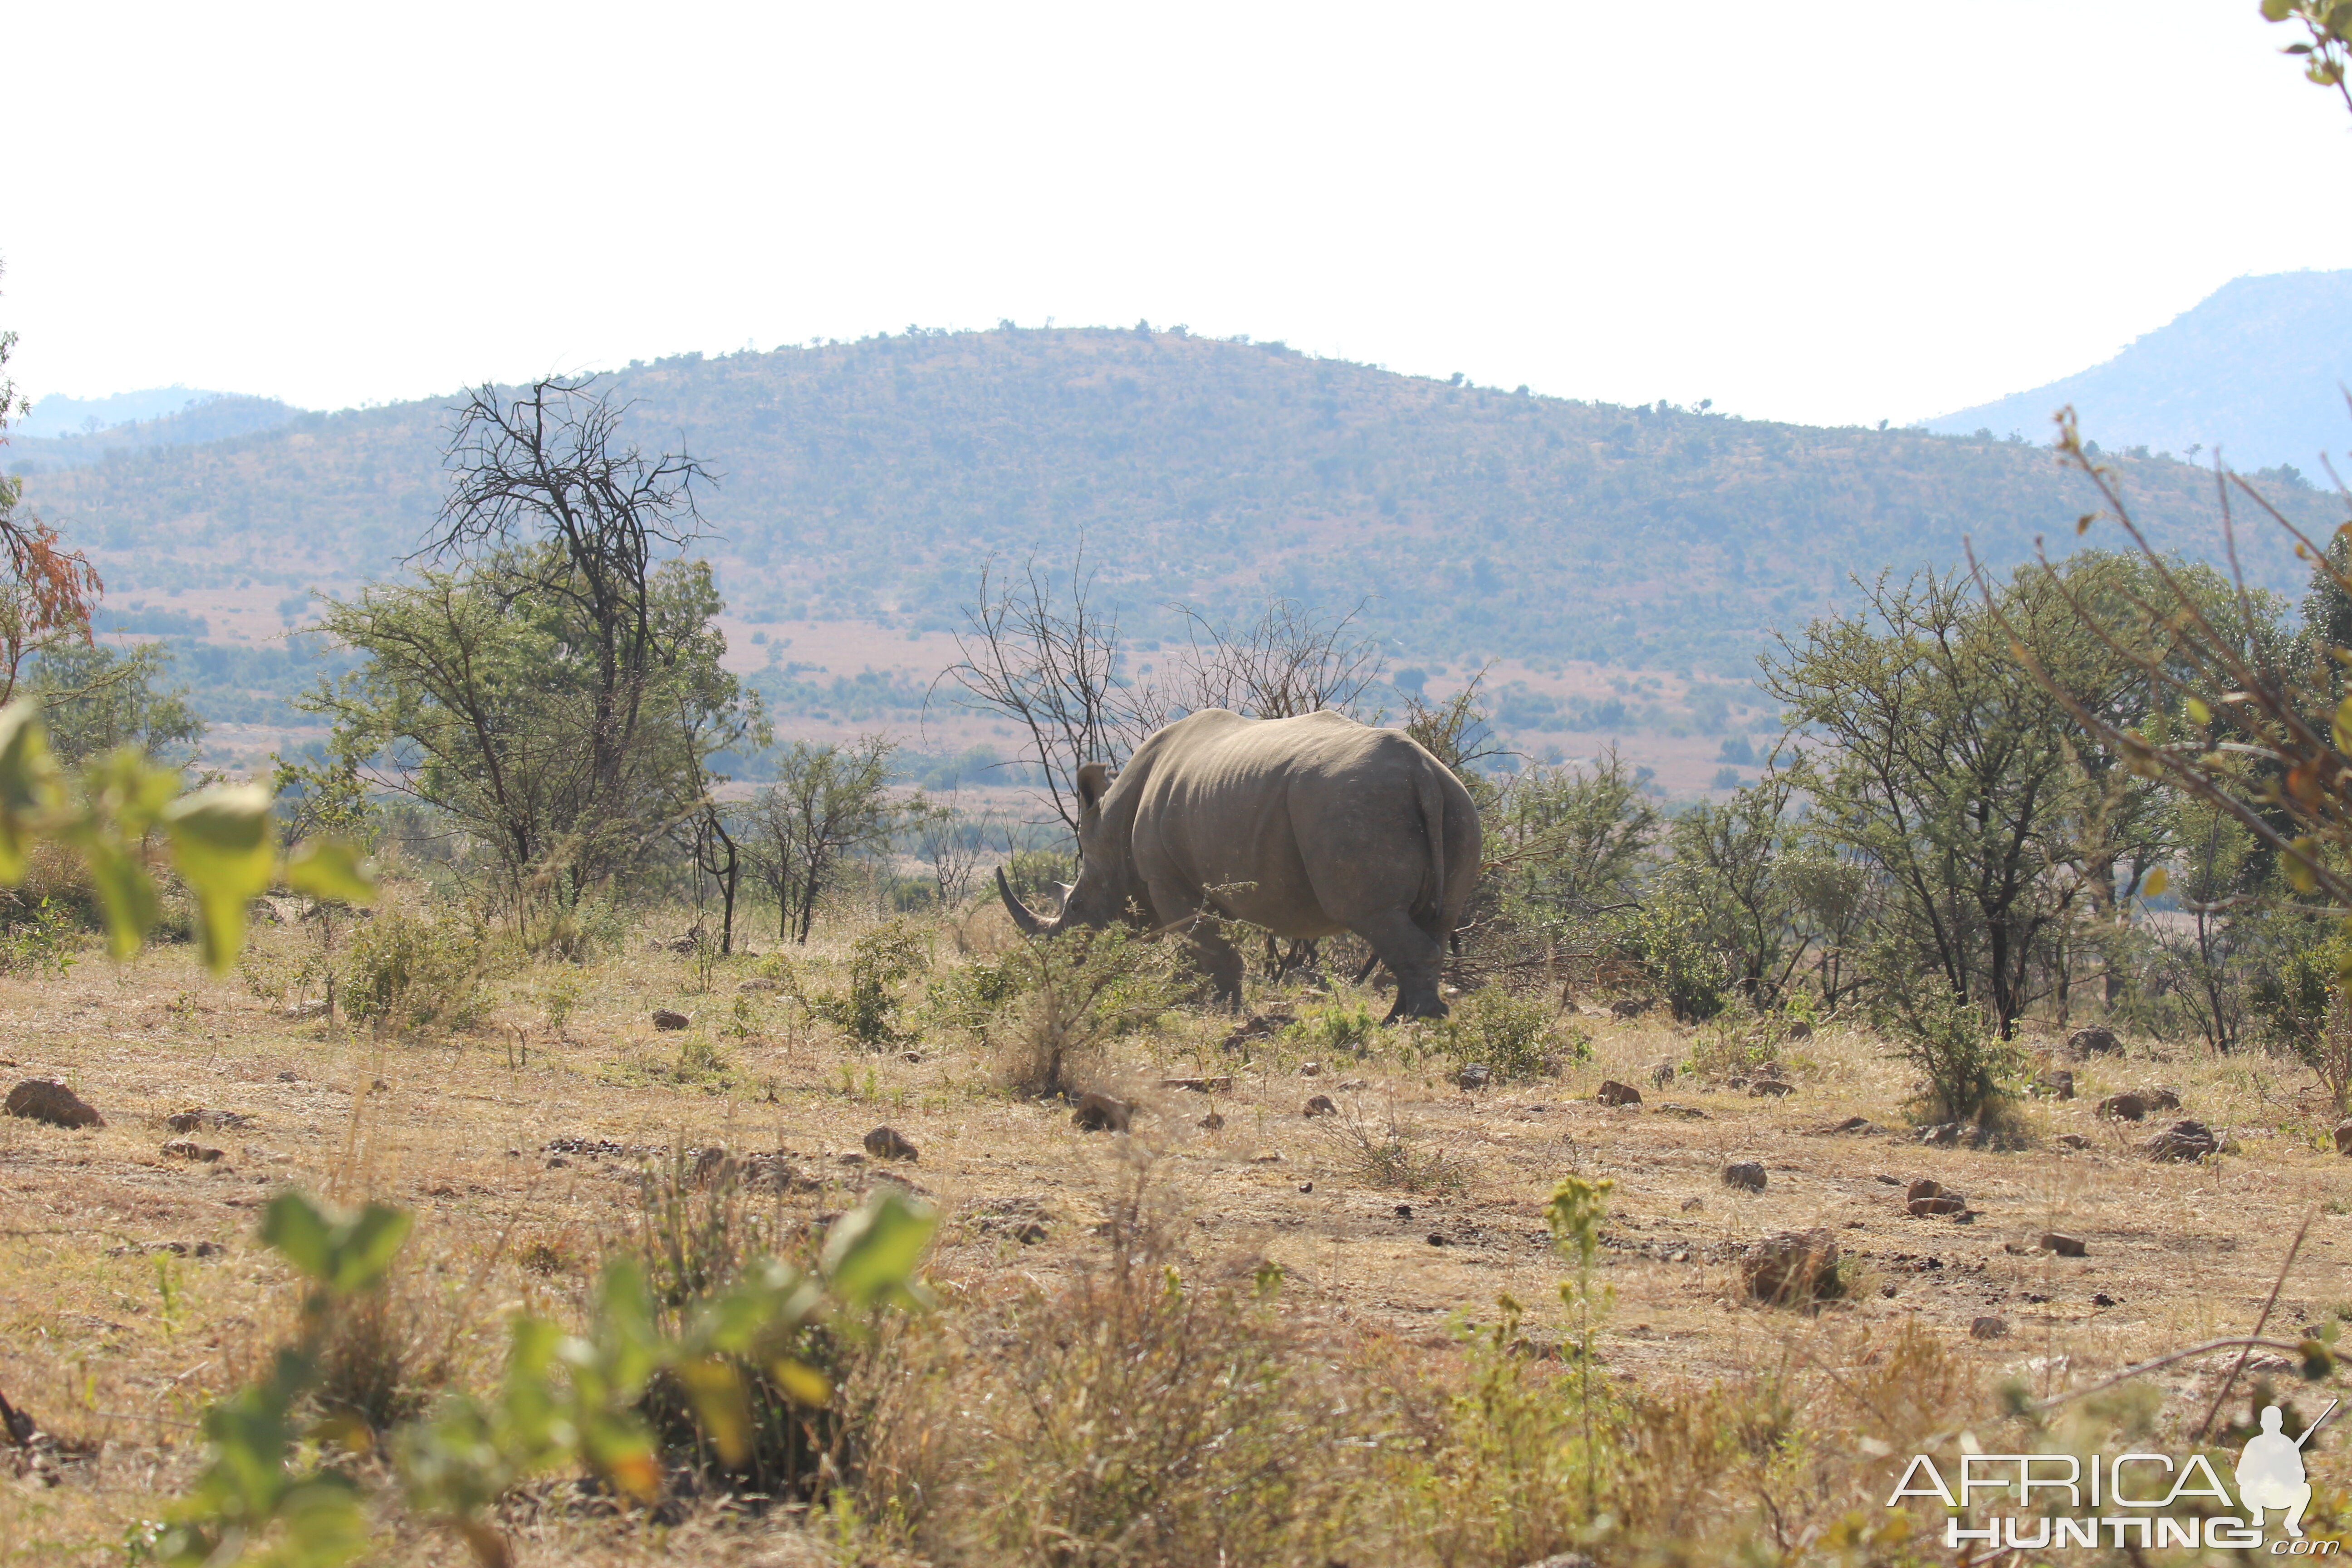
(272, 1497)
(219, 840)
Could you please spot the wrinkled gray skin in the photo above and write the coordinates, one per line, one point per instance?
(1307, 826)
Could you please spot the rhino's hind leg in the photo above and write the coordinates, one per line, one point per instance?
(1413, 956)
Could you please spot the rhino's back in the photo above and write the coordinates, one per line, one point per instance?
(1295, 816)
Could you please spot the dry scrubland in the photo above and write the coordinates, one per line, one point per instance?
(1114, 1373)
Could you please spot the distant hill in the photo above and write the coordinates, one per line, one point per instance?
(870, 481)
(202, 417)
(2257, 370)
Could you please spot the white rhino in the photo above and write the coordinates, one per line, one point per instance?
(1307, 826)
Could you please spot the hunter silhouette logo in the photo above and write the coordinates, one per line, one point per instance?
(2146, 1492)
(2269, 1471)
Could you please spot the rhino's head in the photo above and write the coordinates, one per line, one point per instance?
(1101, 892)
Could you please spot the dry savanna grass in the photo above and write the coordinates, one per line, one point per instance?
(1273, 1338)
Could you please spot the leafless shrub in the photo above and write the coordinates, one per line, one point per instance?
(1292, 659)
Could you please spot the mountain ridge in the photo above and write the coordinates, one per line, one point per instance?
(871, 480)
(2255, 370)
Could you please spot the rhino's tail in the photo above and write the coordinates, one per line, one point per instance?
(1429, 910)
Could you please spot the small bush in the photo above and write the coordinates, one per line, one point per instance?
(408, 973)
(1968, 1070)
(1334, 1029)
(584, 932)
(1392, 1155)
(1078, 991)
(1666, 939)
(1511, 1034)
(41, 942)
(868, 1011)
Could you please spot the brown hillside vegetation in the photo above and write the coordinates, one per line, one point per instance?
(868, 482)
(1233, 1333)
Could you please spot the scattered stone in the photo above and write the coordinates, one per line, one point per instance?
(1629, 1007)
(1747, 1174)
(46, 1099)
(759, 982)
(1271, 1157)
(1884, 1180)
(2064, 1245)
(1404, 1211)
(1437, 1238)
(380, 1086)
(1477, 1075)
(1223, 1085)
(1611, 1092)
(557, 1161)
(198, 1119)
(290, 1076)
(1662, 1074)
(1211, 1122)
(911, 1056)
(1693, 1205)
(665, 1019)
(1800, 1030)
(889, 1143)
(1687, 1112)
(853, 1158)
(1320, 1106)
(1795, 1265)
(2102, 1299)
(302, 1010)
(2094, 1041)
(1099, 1113)
(1367, 1083)
(1770, 1085)
(1925, 1188)
(1306, 1186)
(2072, 1140)
(1310, 1069)
(1259, 1026)
(2344, 1136)
(2182, 1140)
(189, 1148)
(1989, 1328)
(2125, 1107)
(2160, 1099)
(2058, 1083)
(1851, 1124)
(1930, 1208)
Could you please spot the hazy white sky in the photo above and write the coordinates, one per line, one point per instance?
(1817, 210)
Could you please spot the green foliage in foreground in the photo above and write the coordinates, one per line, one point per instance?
(278, 1492)
(220, 841)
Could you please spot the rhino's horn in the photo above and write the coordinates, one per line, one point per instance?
(1022, 915)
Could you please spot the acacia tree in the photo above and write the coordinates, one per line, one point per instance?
(828, 805)
(548, 470)
(1931, 756)
(485, 696)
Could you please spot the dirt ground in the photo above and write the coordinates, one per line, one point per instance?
(132, 1290)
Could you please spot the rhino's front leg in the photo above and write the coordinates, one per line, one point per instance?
(1216, 958)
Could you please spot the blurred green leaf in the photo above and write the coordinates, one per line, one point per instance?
(342, 1253)
(872, 1250)
(2153, 884)
(27, 783)
(223, 848)
(330, 868)
(721, 1404)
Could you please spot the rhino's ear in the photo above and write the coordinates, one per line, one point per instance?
(1094, 783)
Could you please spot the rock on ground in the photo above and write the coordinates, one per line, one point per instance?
(2183, 1139)
(1794, 1266)
(2094, 1041)
(1100, 1112)
(665, 1019)
(46, 1099)
(1611, 1092)
(1747, 1174)
(1320, 1106)
(2064, 1245)
(889, 1143)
